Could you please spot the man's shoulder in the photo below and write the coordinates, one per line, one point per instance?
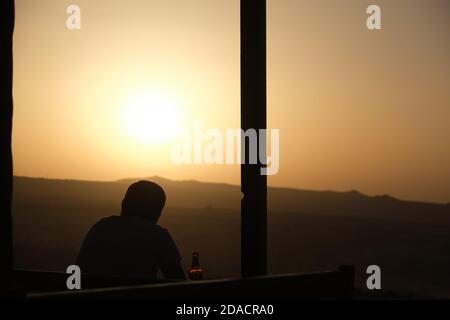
(106, 221)
(134, 223)
(110, 218)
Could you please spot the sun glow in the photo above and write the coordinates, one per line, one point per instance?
(152, 117)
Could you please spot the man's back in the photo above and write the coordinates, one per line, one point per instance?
(127, 246)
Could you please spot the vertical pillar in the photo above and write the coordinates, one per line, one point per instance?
(6, 111)
(253, 116)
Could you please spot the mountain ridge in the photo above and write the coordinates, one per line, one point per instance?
(196, 194)
(160, 179)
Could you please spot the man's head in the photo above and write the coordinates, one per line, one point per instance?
(144, 199)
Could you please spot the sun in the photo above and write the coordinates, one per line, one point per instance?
(152, 117)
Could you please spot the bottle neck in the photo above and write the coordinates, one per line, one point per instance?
(195, 260)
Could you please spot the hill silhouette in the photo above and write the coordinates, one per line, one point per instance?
(195, 194)
(308, 230)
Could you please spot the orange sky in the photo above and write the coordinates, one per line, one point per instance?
(357, 109)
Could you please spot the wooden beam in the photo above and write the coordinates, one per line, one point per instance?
(330, 285)
(253, 116)
(6, 111)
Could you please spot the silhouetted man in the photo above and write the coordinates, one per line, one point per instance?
(132, 244)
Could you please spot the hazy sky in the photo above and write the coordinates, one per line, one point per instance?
(357, 109)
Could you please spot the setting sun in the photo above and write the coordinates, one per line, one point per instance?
(152, 117)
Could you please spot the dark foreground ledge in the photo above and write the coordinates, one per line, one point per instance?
(324, 285)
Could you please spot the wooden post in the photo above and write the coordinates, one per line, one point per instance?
(253, 116)
(6, 111)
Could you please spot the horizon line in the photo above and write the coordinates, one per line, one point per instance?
(231, 185)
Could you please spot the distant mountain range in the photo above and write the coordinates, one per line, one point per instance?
(194, 194)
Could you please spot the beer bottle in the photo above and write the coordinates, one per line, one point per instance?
(195, 272)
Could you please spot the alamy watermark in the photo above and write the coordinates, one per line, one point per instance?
(227, 147)
(374, 280)
(374, 20)
(73, 282)
(73, 21)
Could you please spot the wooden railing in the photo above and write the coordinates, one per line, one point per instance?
(337, 284)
